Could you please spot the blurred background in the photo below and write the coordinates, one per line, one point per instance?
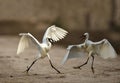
(101, 18)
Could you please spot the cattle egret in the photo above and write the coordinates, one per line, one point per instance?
(52, 34)
(102, 48)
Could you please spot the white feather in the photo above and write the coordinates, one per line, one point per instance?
(55, 33)
(107, 51)
(102, 48)
(52, 32)
(25, 42)
(74, 51)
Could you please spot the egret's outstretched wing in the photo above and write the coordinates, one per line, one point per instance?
(106, 50)
(54, 33)
(74, 51)
(25, 42)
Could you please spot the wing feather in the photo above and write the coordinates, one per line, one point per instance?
(25, 42)
(55, 33)
(74, 51)
(105, 49)
(60, 35)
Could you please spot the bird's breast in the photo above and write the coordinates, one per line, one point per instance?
(46, 47)
(89, 48)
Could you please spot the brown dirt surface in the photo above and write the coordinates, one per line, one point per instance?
(12, 66)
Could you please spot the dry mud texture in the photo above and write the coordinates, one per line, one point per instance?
(12, 66)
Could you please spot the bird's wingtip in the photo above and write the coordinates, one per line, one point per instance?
(24, 34)
(21, 34)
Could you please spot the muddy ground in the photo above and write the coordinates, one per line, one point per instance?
(12, 66)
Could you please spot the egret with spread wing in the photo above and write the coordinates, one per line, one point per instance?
(102, 48)
(52, 34)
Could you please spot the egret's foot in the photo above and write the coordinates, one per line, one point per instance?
(60, 73)
(26, 71)
(77, 67)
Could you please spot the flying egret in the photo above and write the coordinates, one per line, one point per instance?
(102, 48)
(52, 34)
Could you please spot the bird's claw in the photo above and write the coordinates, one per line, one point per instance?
(76, 67)
(26, 71)
(60, 73)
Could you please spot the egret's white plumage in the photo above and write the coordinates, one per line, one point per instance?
(107, 51)
(74, 51)
(102, 48)
(52, 33)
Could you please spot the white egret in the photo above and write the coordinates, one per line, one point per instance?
(102, 48)
(52, 34)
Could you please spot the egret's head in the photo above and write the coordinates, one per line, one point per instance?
(84, 36)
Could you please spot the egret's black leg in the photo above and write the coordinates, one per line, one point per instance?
(92, 64)
(31, 65)
(78, 67)
(53, 66)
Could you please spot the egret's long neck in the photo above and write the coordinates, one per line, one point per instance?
(87, 37)
(48, 43)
